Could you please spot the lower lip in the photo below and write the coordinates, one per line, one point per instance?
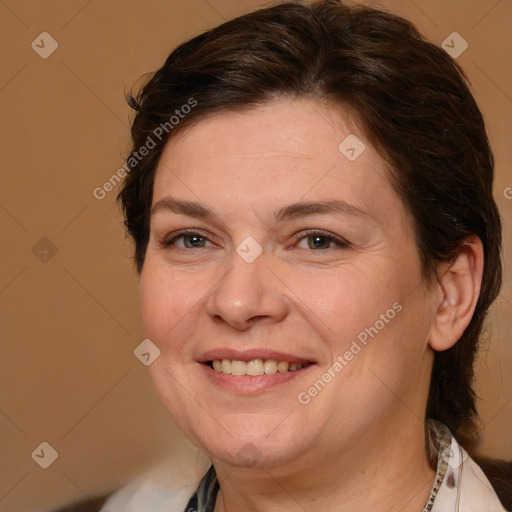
(249, 384)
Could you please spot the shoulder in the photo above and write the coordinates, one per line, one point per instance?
(465, 485)
(165, 487)
(477, 492)
(499, 474)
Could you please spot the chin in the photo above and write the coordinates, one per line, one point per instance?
(252, 454)
(245, 443)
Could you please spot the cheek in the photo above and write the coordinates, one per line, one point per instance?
(344, 301)
(167, 304)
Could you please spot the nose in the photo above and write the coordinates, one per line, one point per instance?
(248, 293)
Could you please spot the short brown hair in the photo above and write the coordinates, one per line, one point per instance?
(416, 108)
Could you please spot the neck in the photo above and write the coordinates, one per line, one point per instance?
(389, 472)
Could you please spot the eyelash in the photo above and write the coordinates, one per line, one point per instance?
(340, 242)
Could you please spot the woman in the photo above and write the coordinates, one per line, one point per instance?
(310, 196)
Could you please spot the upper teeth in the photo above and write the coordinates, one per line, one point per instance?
(255, 367)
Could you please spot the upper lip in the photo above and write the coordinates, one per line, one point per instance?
(249, 355)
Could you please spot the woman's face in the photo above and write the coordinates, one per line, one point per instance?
(276, 239)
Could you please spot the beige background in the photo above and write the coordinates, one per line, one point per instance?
(70, 324)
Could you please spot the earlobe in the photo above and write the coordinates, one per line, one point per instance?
(458, 288)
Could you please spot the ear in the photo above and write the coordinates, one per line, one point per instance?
(458, 288)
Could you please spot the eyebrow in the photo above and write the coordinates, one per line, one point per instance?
(190, 208)
(292, 211)
(304, 209)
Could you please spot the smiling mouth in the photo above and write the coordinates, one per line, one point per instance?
(255, 367)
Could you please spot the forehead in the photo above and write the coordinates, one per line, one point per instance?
(280, 152)
(284, 128)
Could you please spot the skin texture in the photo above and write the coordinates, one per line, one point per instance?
(348, 447)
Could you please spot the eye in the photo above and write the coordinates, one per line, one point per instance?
(320, 240)
(188, 240)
